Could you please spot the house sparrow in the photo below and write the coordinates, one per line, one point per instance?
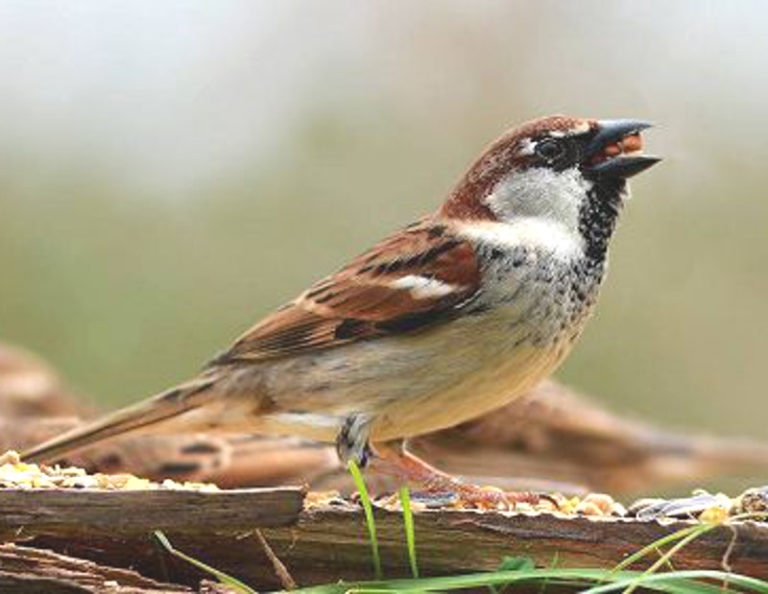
(455, 315)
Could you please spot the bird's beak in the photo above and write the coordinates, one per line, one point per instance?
(616, 149)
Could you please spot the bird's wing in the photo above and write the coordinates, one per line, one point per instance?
(413, 279)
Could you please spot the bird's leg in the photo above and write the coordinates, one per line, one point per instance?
(393, 458)
(352, 441)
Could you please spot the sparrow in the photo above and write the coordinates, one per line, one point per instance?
(448, 319)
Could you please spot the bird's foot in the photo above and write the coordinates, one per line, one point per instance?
(468, 496)
(487, 497)
(443, 487)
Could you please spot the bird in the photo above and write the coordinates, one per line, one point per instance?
(447, 319)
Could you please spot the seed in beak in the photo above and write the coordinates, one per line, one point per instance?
(627, 145)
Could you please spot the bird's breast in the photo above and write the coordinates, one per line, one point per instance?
(494, 355)
(513, 335)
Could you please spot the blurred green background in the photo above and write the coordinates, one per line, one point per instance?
(173, 171)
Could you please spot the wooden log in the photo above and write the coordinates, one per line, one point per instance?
(138, 513)
(328, 543)
(333, 543)
(24, 569)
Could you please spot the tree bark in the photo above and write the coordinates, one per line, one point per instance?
(327, 543)
(24, 569)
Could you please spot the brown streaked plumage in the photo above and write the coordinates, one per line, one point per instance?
(444, 321)
(363, 301)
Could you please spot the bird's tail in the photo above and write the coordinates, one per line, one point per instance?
(138, 418)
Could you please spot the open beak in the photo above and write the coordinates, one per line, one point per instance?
(617, 149)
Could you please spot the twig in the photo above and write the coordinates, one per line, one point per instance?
(281, 571)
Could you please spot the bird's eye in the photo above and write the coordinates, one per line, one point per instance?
(551, 150)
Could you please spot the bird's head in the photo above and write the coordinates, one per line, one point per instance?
(567, 171)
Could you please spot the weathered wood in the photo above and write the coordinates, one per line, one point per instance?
(137, 513)
(23, 569)
(329, 543)
(456, 541)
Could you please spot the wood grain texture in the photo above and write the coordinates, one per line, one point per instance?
(329, 543)
(138, 513)
(465, 541)
(24, 569)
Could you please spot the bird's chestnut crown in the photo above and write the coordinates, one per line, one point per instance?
(608, 151)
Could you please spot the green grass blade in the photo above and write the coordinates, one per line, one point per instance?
(516, 564)
(657, 544)
(380, 591)
(552, 565)
(475, 580)
(680, 582)
(667, 557)
(365, 500)
(225, 579)
(410, 532)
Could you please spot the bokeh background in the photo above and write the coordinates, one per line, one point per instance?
(170, 172)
